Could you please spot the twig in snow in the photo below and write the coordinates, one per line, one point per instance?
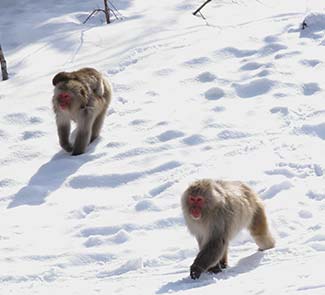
(198, 10)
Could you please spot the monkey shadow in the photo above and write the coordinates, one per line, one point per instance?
(244, 265)
(50, 176)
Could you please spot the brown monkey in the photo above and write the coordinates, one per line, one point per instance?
(82, 96)
(215, 211)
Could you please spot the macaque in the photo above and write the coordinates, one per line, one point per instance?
(82, 96)
(215, 211)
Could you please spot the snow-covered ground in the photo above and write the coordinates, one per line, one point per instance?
(239, 95)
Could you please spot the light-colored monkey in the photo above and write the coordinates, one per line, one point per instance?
(215, 211)
(82, 96)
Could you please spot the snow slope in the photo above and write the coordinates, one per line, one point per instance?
(239, 95)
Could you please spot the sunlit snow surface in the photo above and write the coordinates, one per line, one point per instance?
(239, 95)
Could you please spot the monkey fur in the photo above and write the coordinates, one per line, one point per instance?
(215, 211)
(82, 96)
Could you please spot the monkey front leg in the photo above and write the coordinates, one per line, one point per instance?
(208, 256)
(63, 127)
(84, 126)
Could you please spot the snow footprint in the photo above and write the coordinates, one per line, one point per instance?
(119, 238)
(214, 93)
(251, 66)
(170, 135)
(22, 119)
(310, 88)
(194, 139)
(315, 130)
(310, 62)
(235, 52)
(206, 77)
(254, 88)
(32, 134)
(276, 189)
(197, 61)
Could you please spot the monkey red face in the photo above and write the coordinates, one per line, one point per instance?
(64, 100)
(196, 204)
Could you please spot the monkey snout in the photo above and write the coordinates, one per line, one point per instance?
(64, 96)
(64, 99)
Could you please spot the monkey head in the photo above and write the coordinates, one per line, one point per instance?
(199, 198)
(69, 90)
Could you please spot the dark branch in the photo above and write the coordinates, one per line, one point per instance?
(3, 65)
(198, 10)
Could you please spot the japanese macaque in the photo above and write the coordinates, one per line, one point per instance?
(82, 96)
(215, 211)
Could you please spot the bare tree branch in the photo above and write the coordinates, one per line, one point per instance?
(198, 10)
(106, 10)
(3, 65)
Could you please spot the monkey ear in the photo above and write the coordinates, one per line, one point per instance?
(62, 76)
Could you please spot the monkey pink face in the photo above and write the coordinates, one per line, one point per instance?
(196, 204)
(64, 100)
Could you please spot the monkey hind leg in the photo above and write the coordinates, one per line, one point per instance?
(222, 264)
(260, 231)
(97, 126)
(85, 121)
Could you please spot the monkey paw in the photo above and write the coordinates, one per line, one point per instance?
(195, 271)
(215, 269)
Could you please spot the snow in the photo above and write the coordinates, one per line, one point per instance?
(239, 95)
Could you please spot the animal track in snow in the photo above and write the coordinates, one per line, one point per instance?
(131, 227)
(3, 134)
(206, 77)
(22, 119)
(305, 214)
(232, 134)
(214, 93)
(263, 73)
(317, 196)
(164, 72)
(280, 110)
(254, 88)
(107, 230)
(130, 265)
(138, 122)
(251, 66)
(118, 238)
(219, 109)
(32, 134)
(287, 54)
(194, 139)
(139, 151)
(316, 130)
(310, 88)
(281, 171)
(169, 135)
(272, 48)
(197, 61)
(239, 53)
(161, 188)
(146, 205)
(271, 39)
(310, 62)
(276, 188)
